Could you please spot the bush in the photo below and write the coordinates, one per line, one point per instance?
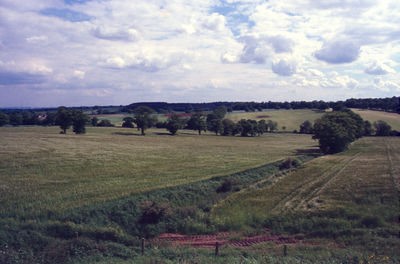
(226, 186)
(153, 212)
(371, 221)
(289, 163)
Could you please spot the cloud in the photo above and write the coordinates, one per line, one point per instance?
(215, 22)
(16, 78)
(281, 44)
(338, 52)
(114, 33)
(255, 50)
(378, 69)
(79, 74)
(284, 67)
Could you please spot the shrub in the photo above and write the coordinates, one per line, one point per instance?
(153, 212)
(289, 163)
(371, 221)
(226, 186)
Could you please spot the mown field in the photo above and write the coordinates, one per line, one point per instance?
(41, 169)
(392, 119)
(338, 195)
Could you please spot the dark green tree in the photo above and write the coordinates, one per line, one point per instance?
(306, 127)
(335, 131)
(248, 127)
(4, 119)
(105, 123)
(128, 122)
(15, 119)
(215, 125)
(382, 129)
(144, 118)
(368, 130)
(50, 119)
(174, 123)
(272, 125)
(228, 127)
(197, 122)
(94, 121)
(79, 120)
(63, 119)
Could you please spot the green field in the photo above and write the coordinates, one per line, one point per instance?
(392, 119)
(43, 170)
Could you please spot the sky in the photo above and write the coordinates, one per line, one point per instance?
(116, 52)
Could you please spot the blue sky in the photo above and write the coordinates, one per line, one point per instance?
(115, 52)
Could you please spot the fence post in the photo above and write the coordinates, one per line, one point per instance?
(216, 248)
(284, 250)
(76, 235)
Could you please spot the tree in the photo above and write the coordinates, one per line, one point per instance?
(15, 119)
(248, 127)
(368, 130)
(94, 121)
(335, 131)
(272, 125)
(197, 122)
(228, 127)
(79, 120)
(306, 127)
(105, 123)
(63, 119)
(143, 118)
(50, 119)
(382, 128)
(174, 123)
(128, 122)
(4, 119)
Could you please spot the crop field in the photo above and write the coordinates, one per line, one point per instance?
(290, 119)
(354, 186)
(41, 169)
(392, 119)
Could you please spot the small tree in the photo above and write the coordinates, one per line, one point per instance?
(79, 120)
(174, 123)
(94, 121)
(306, 127)
(382, 128)
(4, 119)
(228, 127)
(197, 122)
(105, 123)
(128, 122)
(143, 118)
(63, 119)
(272, 125)
(15, 119)
(368, 130)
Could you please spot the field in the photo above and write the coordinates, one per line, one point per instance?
(341, 208)
(392, 119)
(43, 170)
(290, 119)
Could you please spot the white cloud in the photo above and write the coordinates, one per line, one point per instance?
(338, 51)
(376, 68)
(284, 67)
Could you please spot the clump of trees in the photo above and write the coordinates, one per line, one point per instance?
(143, 118)
(65, 118)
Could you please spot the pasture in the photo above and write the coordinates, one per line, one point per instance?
(41, 169)
(392, 119)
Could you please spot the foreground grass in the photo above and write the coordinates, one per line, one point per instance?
(42, 170)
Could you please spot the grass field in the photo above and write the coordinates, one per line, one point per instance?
(41, 169)
(291, 119)
(392, 119)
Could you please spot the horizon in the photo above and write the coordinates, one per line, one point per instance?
(95, 52)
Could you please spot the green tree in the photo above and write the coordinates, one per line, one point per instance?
(79, 120)
(105, 123)
(4, 119)
(335, 131)
(272, 125)
(306, 127)
(63, 119)
(144, 118)
(215, 125)
(94, 121)
(228, 127)
(197, 122)
(128, 122)
(368, 130)
(15, 119)
(248, 127)
(174, 123)
(382, 128)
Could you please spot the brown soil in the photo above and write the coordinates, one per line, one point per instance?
(209, 241)
(263, 116)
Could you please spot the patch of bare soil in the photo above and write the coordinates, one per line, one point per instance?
(263, 116)
(225, 238)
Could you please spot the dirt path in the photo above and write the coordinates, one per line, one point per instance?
(225, 238)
